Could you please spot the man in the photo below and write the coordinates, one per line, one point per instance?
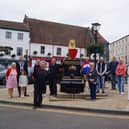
(101, 68)
(113, 66)
(22, 65)
(53, 71)
(40, 74)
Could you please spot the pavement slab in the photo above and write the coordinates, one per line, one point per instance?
(111, 100)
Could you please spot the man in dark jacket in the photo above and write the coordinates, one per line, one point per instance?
(40, 74)
(53, 71)
(113, 66)
(22, 65)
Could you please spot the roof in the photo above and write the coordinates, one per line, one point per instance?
(56, 33)
(13, 25)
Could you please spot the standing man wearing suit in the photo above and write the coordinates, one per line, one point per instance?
(53, 71)
(22, 65)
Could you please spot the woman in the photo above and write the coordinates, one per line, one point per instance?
(11, 79)
(92, 80)
(120, 72)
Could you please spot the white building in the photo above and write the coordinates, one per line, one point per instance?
(120, 49)
(43, 39)
(16, 36)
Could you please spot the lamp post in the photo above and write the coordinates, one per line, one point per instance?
(95, 28)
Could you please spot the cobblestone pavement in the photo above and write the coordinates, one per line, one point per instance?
(111, 100)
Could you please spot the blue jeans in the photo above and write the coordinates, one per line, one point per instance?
(100, 83)
(121, 82)
(113, 80)
(92, 91)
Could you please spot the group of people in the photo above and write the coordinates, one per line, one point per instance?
(16, 77)
(42, 74)
(116, 70)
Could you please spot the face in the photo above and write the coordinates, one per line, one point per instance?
(21, 58)
(121, 61)
(43, 65)
(13, 66)
(91, 66)
(114, 58)
(53, 61)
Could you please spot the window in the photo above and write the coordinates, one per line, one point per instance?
(58, 51)
(19, 51)
(8, 35)
(42, 49)
(20, 36)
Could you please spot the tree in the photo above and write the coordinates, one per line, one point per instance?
(95, 48)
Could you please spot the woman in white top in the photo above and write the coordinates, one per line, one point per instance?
(23, 81)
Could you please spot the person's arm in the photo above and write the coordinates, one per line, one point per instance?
(8, 72)
(105, 69)
(128, 70)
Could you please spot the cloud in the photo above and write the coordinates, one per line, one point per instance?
(112, 14)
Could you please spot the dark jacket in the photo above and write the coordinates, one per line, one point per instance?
(53, 71)
(113, 66)
(92, 75)
(40, 76)
(25, 67)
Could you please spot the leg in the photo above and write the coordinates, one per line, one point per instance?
(103, 83)
(40, 97)
(122, 84)
(94, 92)
(119, 84)
(54, 87)
(19, 91)
(25, 94)
(98, 83)
(35, 94)
(10, 93)
(22, 91)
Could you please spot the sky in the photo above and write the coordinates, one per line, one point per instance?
(111, 14)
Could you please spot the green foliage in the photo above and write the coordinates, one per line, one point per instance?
(95, 48)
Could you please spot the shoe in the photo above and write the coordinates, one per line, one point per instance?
(122, 93)
(44, 95)
(97, 91)
(34, 107)
(26, 95)
(103, 92)
(22, 96)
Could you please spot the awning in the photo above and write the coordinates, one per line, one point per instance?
(5, 48)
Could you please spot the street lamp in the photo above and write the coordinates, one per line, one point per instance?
(95, 28)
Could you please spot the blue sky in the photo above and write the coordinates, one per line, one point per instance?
(111, 14)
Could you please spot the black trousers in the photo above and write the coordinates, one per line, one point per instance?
(37, 95)
(19, 91)
(92, 91)
(53, 86)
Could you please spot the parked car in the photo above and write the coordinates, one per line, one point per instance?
(2, 77)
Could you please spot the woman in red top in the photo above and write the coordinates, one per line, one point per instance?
(11, 79)
(120, 72)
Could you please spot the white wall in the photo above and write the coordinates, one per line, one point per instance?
(14, 42)
(53, 50)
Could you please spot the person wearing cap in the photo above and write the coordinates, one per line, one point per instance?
(101, 68)
(92, 80)
(40, 75)
(11, 79)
